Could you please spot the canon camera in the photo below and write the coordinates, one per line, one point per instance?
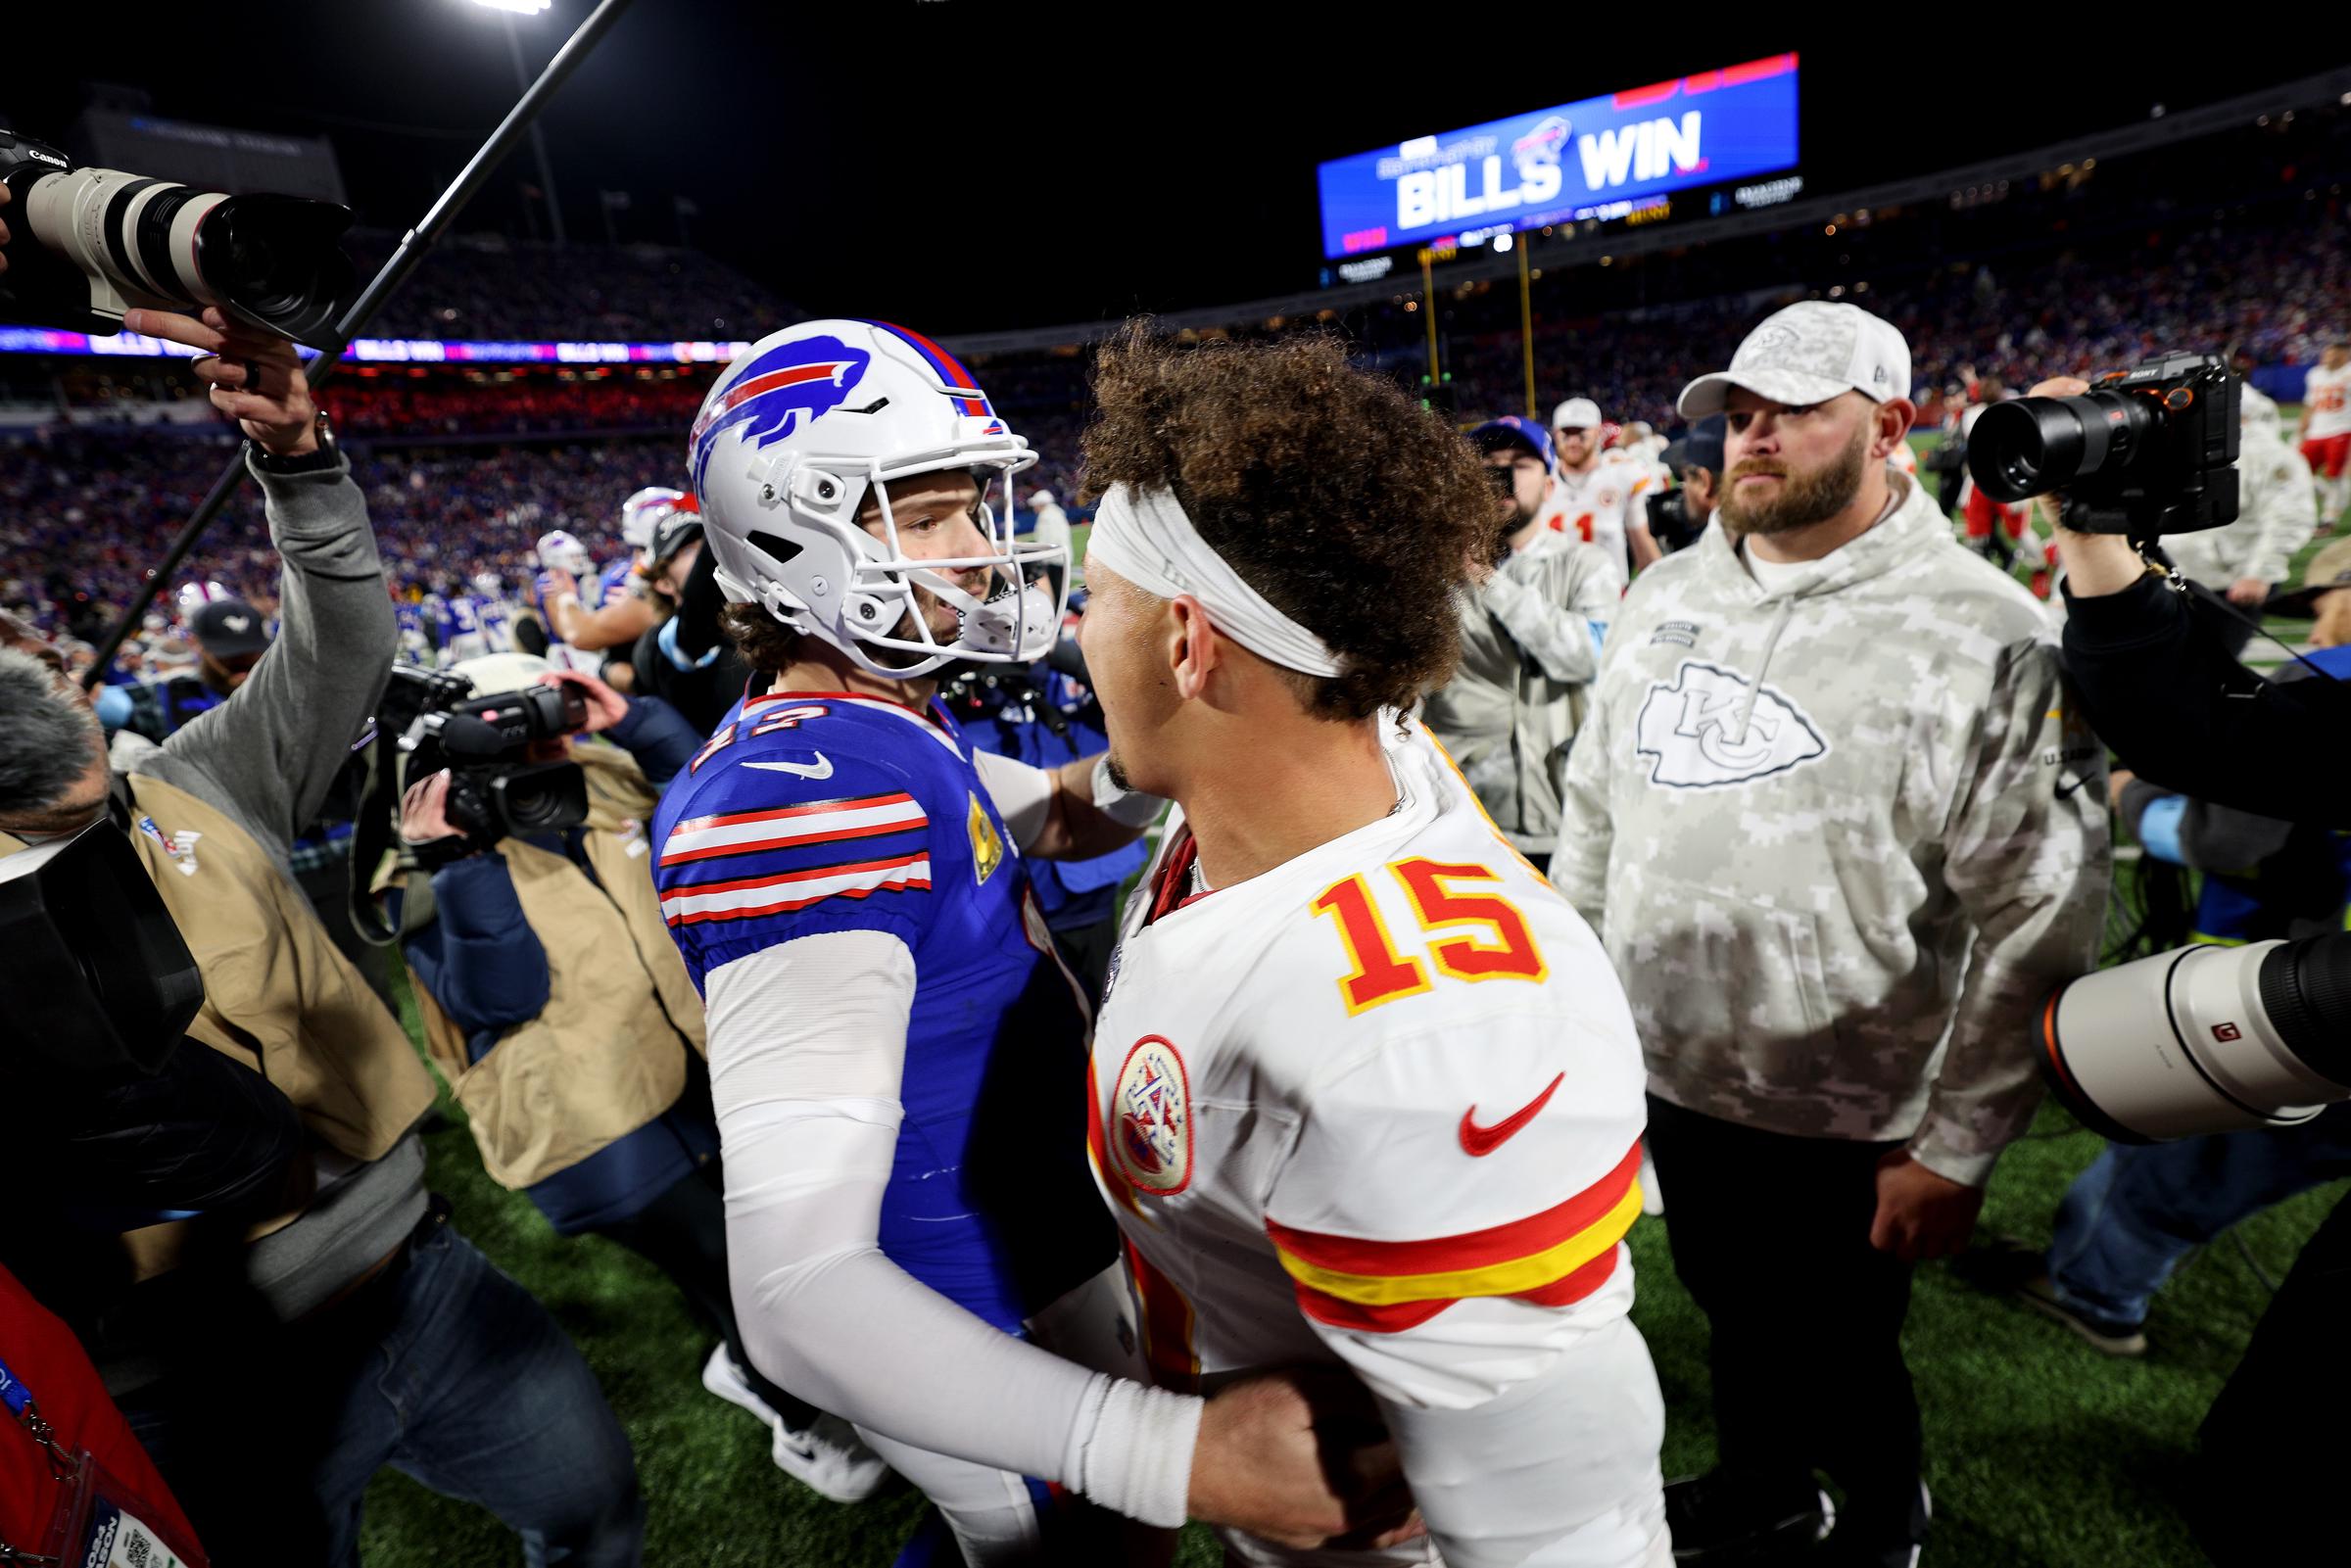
(86, 245)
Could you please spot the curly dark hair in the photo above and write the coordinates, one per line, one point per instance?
(1353, 511)
(765, 644)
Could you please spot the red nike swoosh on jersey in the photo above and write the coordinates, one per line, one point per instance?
(1482, 1141)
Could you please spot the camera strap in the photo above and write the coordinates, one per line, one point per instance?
(2189, 587)
(371, 839)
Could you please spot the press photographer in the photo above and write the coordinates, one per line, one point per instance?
(1673, 520)
(266, 1406)
(556, 1003)
(2159, 686)
(2210, 1038)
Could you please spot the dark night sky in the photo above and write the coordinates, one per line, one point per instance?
(968, 166)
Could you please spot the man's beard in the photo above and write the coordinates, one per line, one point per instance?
(1117, 772)
(1515, 519)
(1802, 499)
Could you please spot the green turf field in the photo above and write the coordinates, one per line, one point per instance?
(2039, 1451)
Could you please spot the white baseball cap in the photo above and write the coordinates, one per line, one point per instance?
(1809, 352)
(1576, 413)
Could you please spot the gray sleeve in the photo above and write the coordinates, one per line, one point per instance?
(1546, 620)
(2284, 513)
(2222, 838)
(1579, 864)
(269, 752)
(2027, 856)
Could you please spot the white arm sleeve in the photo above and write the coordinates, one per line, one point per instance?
(1023, 796)
(808, 1118)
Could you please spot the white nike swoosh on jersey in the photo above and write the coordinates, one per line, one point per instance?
(821, 768)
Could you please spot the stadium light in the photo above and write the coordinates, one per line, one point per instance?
(507, 11)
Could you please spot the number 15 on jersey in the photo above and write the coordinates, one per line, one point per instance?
(1474, 935)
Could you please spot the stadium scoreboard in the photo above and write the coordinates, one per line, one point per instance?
(1626, 156)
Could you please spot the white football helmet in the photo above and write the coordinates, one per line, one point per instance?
(642, 512)
(489, 584)
(793, 437)
(564, 553)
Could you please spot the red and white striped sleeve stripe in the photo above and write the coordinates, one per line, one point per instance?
(745, 832)
(754, 896)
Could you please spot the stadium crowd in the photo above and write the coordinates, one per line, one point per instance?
(487, 287)
(761, 926)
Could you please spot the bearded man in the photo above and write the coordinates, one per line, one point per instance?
(1841, 828)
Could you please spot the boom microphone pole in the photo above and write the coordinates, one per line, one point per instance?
(403, 261)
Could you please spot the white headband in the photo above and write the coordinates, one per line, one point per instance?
(1146, 539)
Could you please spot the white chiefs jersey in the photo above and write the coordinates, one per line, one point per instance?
(1383, 1106)
(2326, 394)
(1904, 458)
(1595, 505)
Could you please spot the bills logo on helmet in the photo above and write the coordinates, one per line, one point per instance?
(779, 392)
(1692, 730)
(1153, 1111)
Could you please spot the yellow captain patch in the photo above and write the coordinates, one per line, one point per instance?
(987, 846)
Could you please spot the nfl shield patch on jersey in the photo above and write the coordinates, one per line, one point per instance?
(1152, 1140)
(987, 847)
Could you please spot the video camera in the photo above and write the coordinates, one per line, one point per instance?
(88, 244)
(495, 789)
(2145, 451)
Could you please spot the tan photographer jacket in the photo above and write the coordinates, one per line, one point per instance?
(603, 1057)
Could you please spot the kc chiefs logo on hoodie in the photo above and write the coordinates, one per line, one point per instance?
(1691, 730)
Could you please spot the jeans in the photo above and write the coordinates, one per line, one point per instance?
(2128, 1220)
(447, 1370)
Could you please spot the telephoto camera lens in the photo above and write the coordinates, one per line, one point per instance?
(2204, 1039)
(2032, 446)
(94, 243)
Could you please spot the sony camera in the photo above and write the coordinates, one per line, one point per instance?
(2145, 451)
(2204, 1039)
(86, 245)
(495, 788)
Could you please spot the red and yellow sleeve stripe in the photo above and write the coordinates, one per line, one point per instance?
(1552, 1259)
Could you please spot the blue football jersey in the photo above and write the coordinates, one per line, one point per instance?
(814, 812)
(497, 619)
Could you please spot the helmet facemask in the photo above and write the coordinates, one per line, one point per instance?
(880, 591)
(785, 453)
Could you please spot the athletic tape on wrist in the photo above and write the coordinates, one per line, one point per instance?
(1135, 1458)
(1144, 537)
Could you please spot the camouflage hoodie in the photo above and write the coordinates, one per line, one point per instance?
(1530, 646)
(1840, 840)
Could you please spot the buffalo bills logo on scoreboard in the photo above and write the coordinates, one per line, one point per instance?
(778, 393)
(1540, 146)
(1542, 167)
